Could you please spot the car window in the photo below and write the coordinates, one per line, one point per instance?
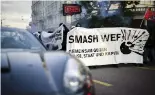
(18, 39)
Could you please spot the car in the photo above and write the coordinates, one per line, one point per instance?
(27, 68)
(15, 39)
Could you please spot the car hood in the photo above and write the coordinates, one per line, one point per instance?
(32, 73)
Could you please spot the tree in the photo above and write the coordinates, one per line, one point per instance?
(97, 21)
(88, 5)
(92, 10)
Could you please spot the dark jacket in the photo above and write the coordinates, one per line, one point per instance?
(151, 30)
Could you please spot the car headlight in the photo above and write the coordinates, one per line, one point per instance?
(76, 76)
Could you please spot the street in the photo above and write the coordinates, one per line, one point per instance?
(125, 80)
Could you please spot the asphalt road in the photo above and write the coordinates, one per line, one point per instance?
(128, 80)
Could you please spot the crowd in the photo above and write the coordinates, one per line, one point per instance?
(47, 38)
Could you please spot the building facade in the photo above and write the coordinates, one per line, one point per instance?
(47, 15)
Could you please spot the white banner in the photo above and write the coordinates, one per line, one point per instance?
(101, 46)
(55, 38)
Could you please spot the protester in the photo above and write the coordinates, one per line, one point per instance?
(65, 31)
(55, 40)
(78, 25)
(47, 39)
(149, 54)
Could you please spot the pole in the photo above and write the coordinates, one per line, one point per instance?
(69, 17)
(144, 17)
(2, 21)
(141, 22)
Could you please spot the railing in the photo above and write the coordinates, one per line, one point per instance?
(141, 9)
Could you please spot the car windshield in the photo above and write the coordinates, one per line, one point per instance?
(19, 39)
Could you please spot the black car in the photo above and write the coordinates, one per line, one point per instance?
(28, 69)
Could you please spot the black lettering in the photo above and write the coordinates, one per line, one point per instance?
(100, 54)
(79, 56)
(106, 53)
(117, 53)
(90, 38)
(85, 55)
(82, 51)
(118, 36)
(76, 51)
(95, 38)
(71, 39)
(124, 34)
(95, 50)
(84, 39)
(105, 37)
(78, 39)
(89, 55)
(112, 53)
(113, 37)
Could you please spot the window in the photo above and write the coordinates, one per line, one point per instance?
(61, 2)
(54, 6)
(147, 2)
(58, 5)
(54, 19)
(51, 20)
(49, 9)
(62, 18)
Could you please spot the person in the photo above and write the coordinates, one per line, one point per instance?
(47, 39)
(52, 46)
(78, 25)
(65, 31)
(149, 53)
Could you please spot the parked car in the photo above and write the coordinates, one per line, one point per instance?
(28, 69)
